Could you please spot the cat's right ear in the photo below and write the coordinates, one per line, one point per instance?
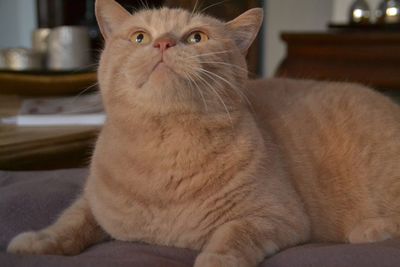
(245, 28)
(109, 16)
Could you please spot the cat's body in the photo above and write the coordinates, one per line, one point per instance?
(341, 144)
(204, 170)
(166, 191)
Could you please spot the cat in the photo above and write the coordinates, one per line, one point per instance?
(193, 154)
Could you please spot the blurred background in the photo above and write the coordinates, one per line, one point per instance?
(18, 19)
(50, 112)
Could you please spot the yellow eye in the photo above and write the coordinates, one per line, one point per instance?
(197, 37)
(140, 38)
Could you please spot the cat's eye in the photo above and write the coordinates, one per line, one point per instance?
(140, 38)
(197, 37)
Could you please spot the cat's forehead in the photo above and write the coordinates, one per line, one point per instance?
(171, 20)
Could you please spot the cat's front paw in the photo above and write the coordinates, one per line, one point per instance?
(34, 243)
(218, 260)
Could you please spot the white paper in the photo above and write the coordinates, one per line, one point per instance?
(96, 119)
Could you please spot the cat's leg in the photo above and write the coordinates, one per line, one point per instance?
(75, 230)
(375, 229)
(246, 243)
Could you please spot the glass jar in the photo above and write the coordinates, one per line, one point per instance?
(360, 12)
(388, 12)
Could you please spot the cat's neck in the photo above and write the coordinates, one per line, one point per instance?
(177, 121)
(130, 118)
(194, 137)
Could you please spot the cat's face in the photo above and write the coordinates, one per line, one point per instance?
(172, 60)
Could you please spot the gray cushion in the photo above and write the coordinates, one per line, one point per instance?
(32, 200)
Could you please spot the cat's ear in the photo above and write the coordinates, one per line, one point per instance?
(245, 28)
(109, 16)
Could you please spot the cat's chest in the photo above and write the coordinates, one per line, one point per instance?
(135, 220)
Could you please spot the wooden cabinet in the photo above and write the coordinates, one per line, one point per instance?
(371, 58)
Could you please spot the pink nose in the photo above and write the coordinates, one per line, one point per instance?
(164, 43)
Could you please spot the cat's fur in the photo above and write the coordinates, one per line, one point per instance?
(174, 166)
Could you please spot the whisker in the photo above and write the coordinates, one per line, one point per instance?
(86, 89)
(213, 5)
(209, 54)
(82, 92)
(239, 92)
(194, 8)
(144, 4)
(217, 76)
(198, 89)
(189, 82)
(71, 102)
(219, 97)
(234, 88)
(227, 64)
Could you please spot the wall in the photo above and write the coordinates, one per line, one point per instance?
(290, 15)
(17, 21)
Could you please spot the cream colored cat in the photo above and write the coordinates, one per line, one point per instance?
(194, 155)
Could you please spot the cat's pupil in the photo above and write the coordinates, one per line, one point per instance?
(139, 38)
(197, 37)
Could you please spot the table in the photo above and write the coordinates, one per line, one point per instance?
(39, 148)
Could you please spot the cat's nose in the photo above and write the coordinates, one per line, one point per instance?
(164, 43)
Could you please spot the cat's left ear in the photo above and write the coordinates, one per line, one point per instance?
(110, 16)
(245, 28)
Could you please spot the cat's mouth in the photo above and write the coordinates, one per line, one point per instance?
(162, 65)
(159, 63)
(158, 70)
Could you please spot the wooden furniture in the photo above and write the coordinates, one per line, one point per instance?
(371, 58)
(39, 148)
(56, 83)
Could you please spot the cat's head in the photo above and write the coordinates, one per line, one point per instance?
(166, 60)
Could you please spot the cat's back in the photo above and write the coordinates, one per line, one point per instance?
(300, 103)
(286, 95)
(341, 143)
